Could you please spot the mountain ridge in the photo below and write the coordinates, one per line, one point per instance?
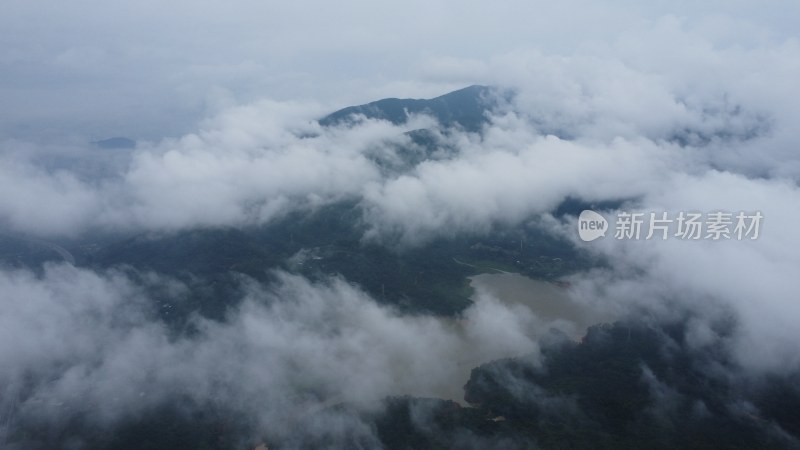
(465, 108)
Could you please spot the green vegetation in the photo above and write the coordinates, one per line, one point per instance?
(431, 278)
(630, 385)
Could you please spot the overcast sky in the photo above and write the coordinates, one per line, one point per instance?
(222, 97)
(150, 69)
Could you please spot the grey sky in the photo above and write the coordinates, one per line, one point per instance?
(150, 69)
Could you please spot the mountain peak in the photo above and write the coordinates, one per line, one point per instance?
(115, 143)
(465, 108)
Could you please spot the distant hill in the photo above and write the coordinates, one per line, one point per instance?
(116, 143)
(465, 107)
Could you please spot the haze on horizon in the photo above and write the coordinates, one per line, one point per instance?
(150, 70)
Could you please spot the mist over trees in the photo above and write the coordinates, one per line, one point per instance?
(261, 225)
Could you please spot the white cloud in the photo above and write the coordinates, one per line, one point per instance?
(751, 279)
(75, 341)
(623, 97)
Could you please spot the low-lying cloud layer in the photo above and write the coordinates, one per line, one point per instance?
(669, 115)
(80, 343)
(626, 122)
